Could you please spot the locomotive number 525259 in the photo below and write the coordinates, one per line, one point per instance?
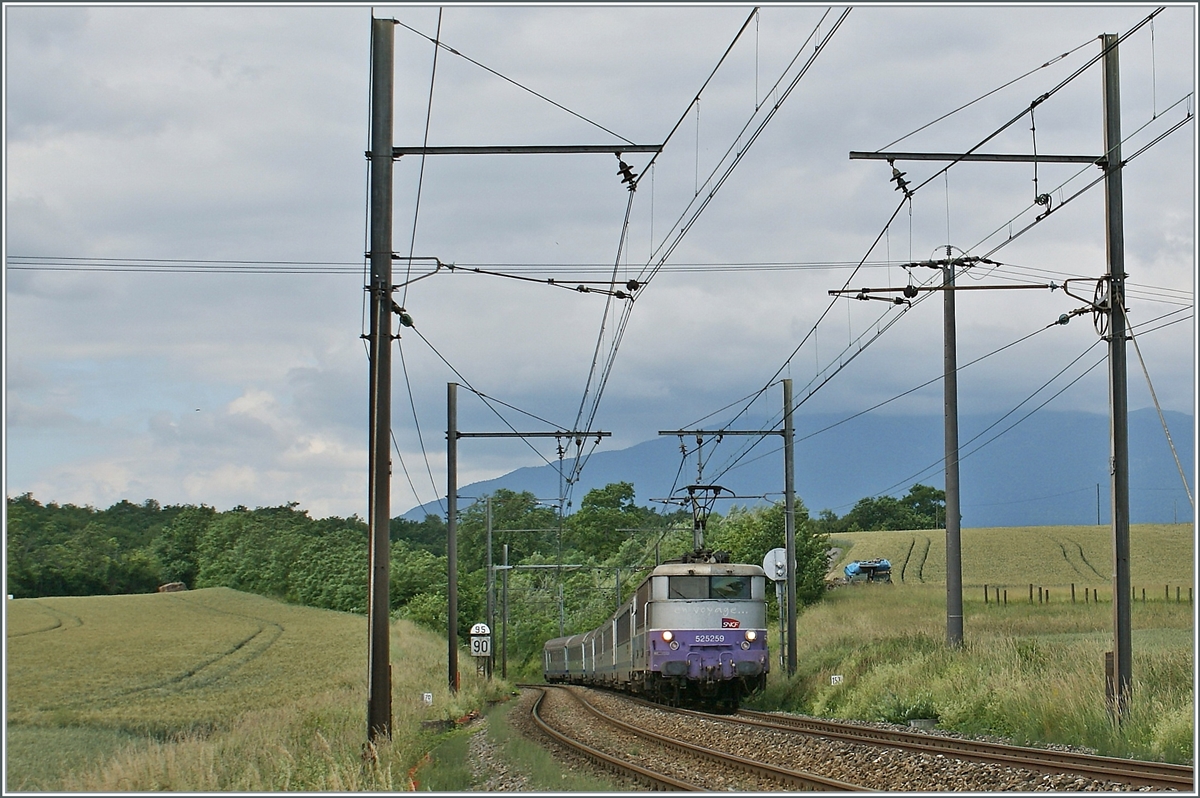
(710, 638)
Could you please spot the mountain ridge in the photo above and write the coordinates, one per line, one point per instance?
(1041, 471)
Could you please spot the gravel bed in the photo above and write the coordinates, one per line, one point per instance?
(490, 769)
(562, 711)
(873, 766)
(520, 720)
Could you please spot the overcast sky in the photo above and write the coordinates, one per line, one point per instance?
(238, 134)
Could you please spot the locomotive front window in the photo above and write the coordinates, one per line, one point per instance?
(706, 587)
(731, 587)
(689, 587)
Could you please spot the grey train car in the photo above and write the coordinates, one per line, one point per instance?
(694, 633)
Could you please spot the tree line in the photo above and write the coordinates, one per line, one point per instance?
(606, 547)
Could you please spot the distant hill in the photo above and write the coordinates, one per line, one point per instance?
(1044, 471)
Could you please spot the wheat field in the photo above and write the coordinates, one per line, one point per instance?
(212, 689)
(1160, 555)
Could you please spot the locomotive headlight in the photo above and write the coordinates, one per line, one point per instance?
(751, 634)
(668, 636)
(674, 645)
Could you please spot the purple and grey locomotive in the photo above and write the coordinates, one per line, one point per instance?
(693, 633)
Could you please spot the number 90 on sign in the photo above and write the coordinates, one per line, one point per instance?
(481, 646)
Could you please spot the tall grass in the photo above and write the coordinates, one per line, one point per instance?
(1033, 674)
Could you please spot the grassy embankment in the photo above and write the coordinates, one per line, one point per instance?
(213, 690)
(1031, 672)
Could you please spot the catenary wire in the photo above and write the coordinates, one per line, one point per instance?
(928, 470)
(417, 424)
(69, 263)
(412, 244)
(520, 86)
(959, 369)
(1051, 62)
(696, 99)
(645, 276)
(1157, 406)
(467, 384)
(1027, 415)
(1037, 101)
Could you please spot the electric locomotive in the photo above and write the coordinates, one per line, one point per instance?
(693, 633)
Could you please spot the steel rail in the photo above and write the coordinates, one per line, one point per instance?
(656, 781)
(1130, 771)
(796, 779)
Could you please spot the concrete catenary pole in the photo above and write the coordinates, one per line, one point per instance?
(789, 516)
(452, 531)
(1119, 407)
(379, 677)
(954, 606)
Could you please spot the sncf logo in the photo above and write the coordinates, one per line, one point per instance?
(730, 623)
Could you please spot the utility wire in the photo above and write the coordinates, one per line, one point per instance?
(1027, 415)
(696, 99)
(67, 263)
(1157, 406)
(938, 378)
(1052, 61)
(467, 384)
(1093, 183)
(520, 86)
(622, 323)
(928, 469)
(412, 244)
(407, 476)
(645, 276)
(648, 273)
(909, 193)
(1040, 99)
(417, 424)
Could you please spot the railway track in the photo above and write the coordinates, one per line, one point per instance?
(753, 774)
(1130, 771)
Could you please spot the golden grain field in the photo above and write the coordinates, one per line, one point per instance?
(211, 689)
(1160, 555)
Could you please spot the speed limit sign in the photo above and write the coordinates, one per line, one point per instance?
(481, 640)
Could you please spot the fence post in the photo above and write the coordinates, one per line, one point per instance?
(1143, 595)
(1085, 595)
(1030, 593)
(1167, 588)
(1072, 592)
(1039, 594)
(1176, 594)
(985, 595)
(1006, 596)
(998, 595)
